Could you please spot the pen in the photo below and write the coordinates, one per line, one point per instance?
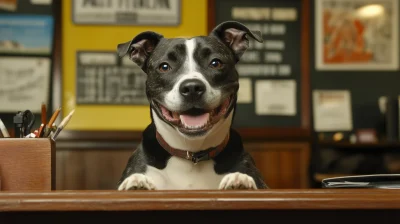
(64, 122)
(3, 130)
(52, 119)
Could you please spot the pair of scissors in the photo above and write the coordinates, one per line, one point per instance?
(28, 120)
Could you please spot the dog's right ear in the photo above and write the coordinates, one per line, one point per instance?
(234, 35)
(140, 47)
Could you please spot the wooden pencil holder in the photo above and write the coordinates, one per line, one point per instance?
(27, 164)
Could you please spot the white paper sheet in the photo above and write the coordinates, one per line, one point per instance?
(154, 13)
(24, 83)
(332, 110)
(245, 91)
(41, 2)
(275, 97)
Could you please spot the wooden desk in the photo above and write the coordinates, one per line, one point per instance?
(270, 206)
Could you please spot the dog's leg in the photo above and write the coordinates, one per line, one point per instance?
(137, 181)
(237, 181)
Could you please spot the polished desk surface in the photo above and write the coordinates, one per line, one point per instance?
(199, 200)
(285, 206)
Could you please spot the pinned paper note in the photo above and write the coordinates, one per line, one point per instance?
(245, 91)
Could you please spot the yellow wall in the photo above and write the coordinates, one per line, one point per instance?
(83, 37)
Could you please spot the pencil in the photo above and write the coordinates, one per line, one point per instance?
(52, 119)
(60, 127)
(3, 130)
(44, 121)
(44, 115)
(40, 132)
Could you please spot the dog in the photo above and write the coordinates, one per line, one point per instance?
(192, 87)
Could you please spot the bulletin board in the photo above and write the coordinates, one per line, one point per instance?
(27, 32)
(273, 79)
(104, 38)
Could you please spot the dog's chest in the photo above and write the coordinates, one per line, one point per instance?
(182, 174)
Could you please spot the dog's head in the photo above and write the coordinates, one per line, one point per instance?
(192, 83)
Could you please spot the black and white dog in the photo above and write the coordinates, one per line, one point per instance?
(192, 88)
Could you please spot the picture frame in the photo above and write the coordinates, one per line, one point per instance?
(356, 35)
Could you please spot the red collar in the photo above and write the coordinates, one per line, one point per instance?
(195, 157)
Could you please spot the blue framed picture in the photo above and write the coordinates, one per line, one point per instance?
(26, 34)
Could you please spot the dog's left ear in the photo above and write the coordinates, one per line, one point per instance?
(234, 34)
(140, 47)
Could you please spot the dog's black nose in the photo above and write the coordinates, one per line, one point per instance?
(192, 89)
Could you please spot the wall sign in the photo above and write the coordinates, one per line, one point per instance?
(275, 56)
(104, 78)
(127, 12)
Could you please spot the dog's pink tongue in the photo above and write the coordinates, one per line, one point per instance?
(195, 121)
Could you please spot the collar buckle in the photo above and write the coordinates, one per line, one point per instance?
(199, 156)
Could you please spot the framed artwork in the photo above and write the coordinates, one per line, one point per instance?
(356, 34)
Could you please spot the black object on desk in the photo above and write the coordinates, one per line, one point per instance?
(23, 122)
(385, 181)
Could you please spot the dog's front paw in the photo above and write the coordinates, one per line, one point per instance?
(237, 181)
(137, 181)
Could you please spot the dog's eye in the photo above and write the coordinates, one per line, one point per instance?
(164, 67)
(216, 63)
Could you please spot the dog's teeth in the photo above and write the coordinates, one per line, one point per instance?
(175, 115)
(210, 118)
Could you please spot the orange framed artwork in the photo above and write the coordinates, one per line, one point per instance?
(356, 34)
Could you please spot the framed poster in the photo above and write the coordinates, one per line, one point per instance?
(24, 83)
(127, 12)
(356, 34)
(16, 32)
(104, 78)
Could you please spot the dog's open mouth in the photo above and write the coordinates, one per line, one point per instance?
(194, 121)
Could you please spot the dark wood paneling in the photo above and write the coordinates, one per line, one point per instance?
(283, 165)
(90, 169)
